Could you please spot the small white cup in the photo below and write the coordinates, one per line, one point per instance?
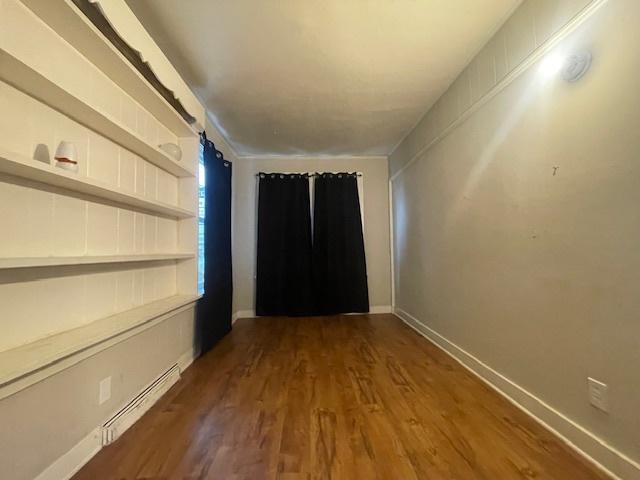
(66, 156)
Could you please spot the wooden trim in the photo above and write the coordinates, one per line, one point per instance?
(23, 366)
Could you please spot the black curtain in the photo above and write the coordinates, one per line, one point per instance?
(214, 308)
(340, 271)
(284, 280)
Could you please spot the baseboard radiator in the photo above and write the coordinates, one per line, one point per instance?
(132, 411)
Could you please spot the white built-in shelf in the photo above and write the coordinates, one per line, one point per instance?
(72, 25)
(20, 166)
(22, 366)
(35, 262)
(25, 78)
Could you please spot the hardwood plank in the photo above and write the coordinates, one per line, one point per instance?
(345, 397)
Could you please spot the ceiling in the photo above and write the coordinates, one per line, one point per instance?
(319, 77)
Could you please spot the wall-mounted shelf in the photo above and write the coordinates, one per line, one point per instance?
(25, 78)
(62, 76)
(22, 366)
(35, 262)
(71, 24)
(20, 166)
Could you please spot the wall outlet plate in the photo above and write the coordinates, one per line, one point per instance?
(598, 394)
(104, 390)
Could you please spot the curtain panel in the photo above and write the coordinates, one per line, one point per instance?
(214, 309)
(305, 272)
(339, 265)
(284, 283)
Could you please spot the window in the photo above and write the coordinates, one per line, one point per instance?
(201, 215)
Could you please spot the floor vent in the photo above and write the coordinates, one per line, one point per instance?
(132, 411)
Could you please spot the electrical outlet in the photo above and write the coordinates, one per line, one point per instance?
(105, 390)
(598, 394)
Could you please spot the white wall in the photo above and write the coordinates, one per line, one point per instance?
(516, 230)
(376, 222)
(44, 421)
(46, 222)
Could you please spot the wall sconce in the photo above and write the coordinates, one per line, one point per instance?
(66, 156)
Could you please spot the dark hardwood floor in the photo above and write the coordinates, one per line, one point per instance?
(352, 397)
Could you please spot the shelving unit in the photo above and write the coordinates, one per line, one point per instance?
(81, 46)
(75, 28)
(33, 83)
(33, 359)
(23, 167)
(35, 262)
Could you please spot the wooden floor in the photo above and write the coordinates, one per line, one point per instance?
(354, 398)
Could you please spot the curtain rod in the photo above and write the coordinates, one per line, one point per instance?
(315, 174)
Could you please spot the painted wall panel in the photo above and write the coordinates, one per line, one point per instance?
(515, 234)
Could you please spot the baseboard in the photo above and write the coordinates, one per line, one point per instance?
(136, 408)
(252, 313)
(243, 314)
(187, 358)
(381, 309)
(602, 455)
(72, 461)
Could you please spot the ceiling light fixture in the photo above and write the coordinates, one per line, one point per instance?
(576, 66)
(572, 68)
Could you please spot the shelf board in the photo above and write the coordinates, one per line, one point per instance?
(35, 262)
(22, 366)
(72, 25)
(20, 166)
(28, 80)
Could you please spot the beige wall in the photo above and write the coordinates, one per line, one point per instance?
(516, 234)
(376, 222)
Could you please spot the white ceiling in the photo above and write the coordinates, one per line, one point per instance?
(319, 77)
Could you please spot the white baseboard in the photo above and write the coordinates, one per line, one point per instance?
(243, 314)
(136, 408)
(381, 309)
(602, 455)
(252, 313)
(72, 461)
(187, 358)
